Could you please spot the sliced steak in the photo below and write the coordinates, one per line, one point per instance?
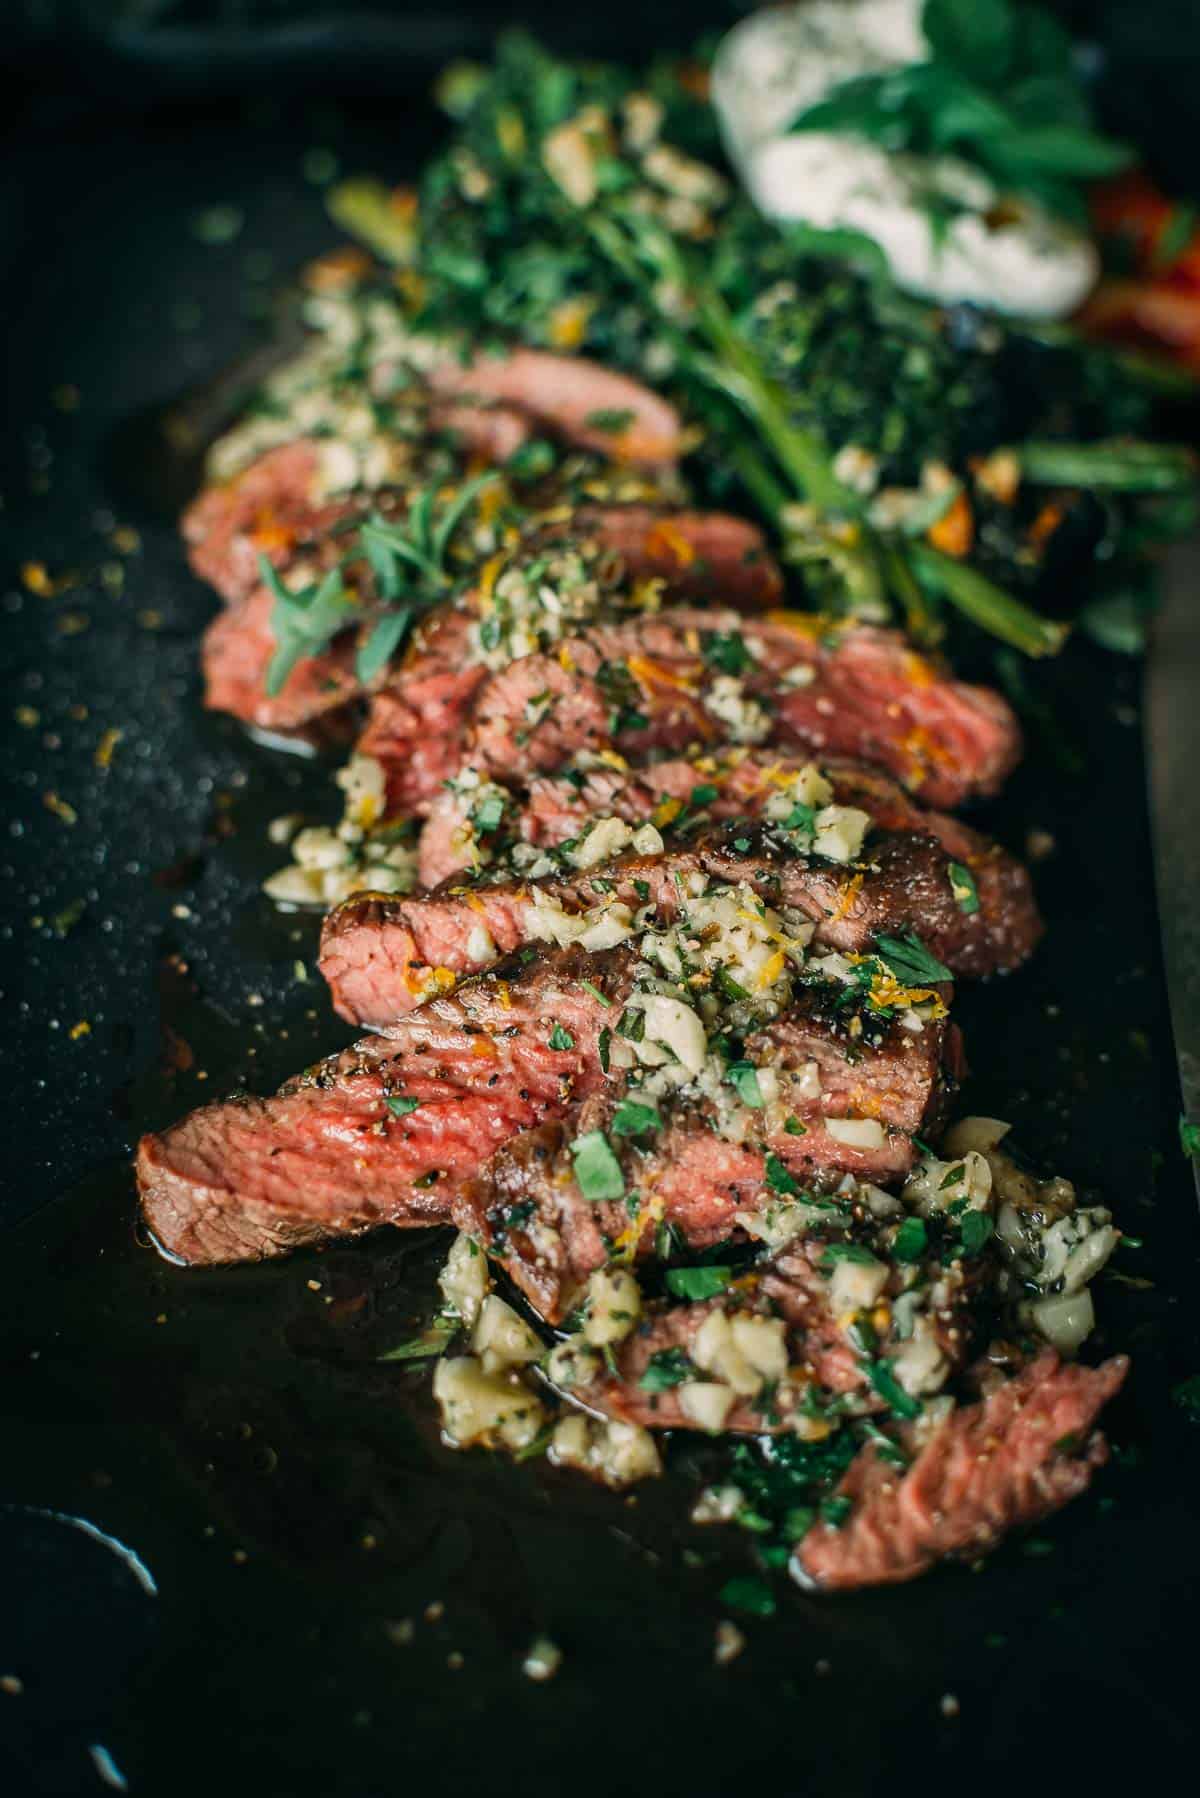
(341, 1148)
(237, 651)
(526, 1206)
(698, 556)
(576, 398)
(418, 719)
(660, 682)
(270, 508)
(738, 784)
(1022, 1452)
(380, 954)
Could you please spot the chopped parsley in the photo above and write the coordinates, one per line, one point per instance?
(611, 420)
(743, 1077)
(962, 885)
(597, 1170)
(560, 1038)
(750, 1594)
(778, 1177)
(634, 1118)
(726, 650)
(488, 812)
(698, 1282)
(974, 1231)
(910, 1240)
(666, 1368)
(891, 1391)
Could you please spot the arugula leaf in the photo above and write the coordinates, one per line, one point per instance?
(698, 1282)
(597, 1170)
(910, 961)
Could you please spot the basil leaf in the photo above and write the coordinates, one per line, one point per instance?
(597, 1170)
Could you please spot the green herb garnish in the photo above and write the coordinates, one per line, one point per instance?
(597, 1170)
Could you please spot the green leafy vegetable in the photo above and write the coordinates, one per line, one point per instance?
(975, 1231)
(560, 1038)
(1189, 1138)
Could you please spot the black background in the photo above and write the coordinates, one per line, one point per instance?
(246, 1444)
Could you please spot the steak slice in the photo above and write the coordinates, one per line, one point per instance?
(382, 954)
(237, 650)
(737, 783)
(269, 508)
(792, 1285)
(527, 1209)
(1020, 1453)
(652, 683)
(418, 718)
(578, 399)
(339, 1149)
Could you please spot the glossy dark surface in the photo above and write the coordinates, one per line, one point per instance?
(285, 1495)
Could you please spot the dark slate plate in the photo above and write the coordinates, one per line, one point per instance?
(223, 1519)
